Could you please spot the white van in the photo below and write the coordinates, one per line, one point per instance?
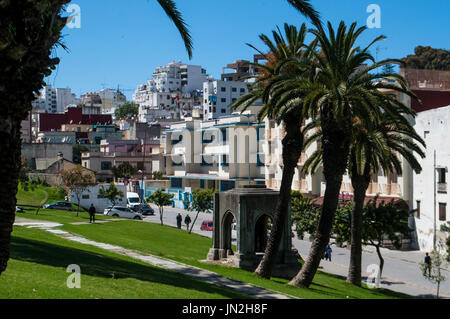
(133, 200)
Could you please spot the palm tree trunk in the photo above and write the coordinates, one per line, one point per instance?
(292, 149)
(335, 156)
(9, 170)
(360, 185)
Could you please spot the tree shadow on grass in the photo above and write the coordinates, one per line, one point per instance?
(99, 265)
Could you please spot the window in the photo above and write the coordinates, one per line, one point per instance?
(214, 109)
(223, 89)
(85, 196)
(441, 174)
(242, 90)
(233, 89)
(418, 209)
(234, 99)
(140, 165)
(442, 211)
(176, 183)
(106, 165)
(223, 100)
(223, 111)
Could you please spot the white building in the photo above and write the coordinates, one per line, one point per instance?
(54, 100)
(160, 96)
(92, 196)
(218, 95)
(430, 195)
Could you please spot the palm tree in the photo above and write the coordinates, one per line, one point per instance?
(342, 89)
(376, 144)
(289, 115)
(30, 31)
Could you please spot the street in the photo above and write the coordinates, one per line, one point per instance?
(401, 271)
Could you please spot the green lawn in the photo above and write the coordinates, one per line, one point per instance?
(171, 243)
(37, 269)
(45, 195)
(178, 245)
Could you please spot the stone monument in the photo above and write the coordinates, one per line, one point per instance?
(250, 207)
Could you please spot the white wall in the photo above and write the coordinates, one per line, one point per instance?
(99, 203)
(433, 126)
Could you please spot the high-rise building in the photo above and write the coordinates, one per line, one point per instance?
(53, 100)
(160, 97)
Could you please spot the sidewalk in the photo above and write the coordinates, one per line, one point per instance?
(194, 272)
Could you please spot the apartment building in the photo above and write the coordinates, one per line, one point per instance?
(54, 100)
(218, 95)
(431, 196)
(220, 154)
(147, 158)
(171, 87)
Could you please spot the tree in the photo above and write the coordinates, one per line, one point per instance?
(446, 228)
(77, 151)
(288, 115)
(434, 274)
(160, 198)
(76, 182)
(127, 111)
(124, 170)
(428, 58)
(342, 88)
(385, 221)
(159, 176)
(305, 214)
(29, 31)
(112, 193)
(202, 201)
(376, 144)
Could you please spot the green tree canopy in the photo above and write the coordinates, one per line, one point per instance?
(428, 58)
(124, 170)
(126, 111)
(76, 181)
(203, 200)
(112, 193)
(160, 198)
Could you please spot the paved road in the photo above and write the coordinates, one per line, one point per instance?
(401, 270)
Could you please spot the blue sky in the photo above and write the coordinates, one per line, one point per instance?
(121, 42)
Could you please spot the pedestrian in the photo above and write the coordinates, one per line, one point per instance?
(427, 265)
(179, 219)
(328, 251)
(92, 212)
(187, 221)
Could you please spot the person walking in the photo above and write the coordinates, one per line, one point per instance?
(427, 261)
(328, 251)
(187, 221)
(92, 212)
(179, 220)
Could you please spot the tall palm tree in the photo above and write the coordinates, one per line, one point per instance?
(375, 145)
(342, 89)
(289, 116)
(29, 31)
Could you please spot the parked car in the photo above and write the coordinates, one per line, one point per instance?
(207, 225)
(123, 212)
(59, 205)
(145, 210)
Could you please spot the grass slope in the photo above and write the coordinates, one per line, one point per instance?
(178, 245)
(37, 269)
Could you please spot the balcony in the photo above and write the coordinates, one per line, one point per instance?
(442, 188)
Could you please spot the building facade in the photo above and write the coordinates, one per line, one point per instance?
(431, 197)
